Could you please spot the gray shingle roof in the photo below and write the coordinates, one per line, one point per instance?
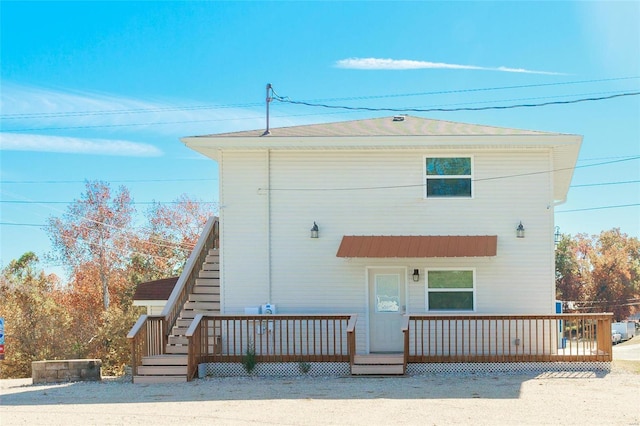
(385, 126)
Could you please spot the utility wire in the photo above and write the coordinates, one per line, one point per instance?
(474, 180)
(246, 105)
(495, 107)
(131, 203)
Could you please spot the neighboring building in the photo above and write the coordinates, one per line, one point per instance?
(154, 294)
(413, 216)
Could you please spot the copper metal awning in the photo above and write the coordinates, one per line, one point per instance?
(416, 246)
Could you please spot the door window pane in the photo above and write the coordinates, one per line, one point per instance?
(387, 293)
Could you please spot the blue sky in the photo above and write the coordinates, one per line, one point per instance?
(104, 91)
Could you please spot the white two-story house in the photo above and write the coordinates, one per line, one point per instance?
(389, 216)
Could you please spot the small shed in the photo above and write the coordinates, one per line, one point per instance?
(154, 294)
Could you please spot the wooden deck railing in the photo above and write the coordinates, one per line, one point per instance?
(274, 338)
(507, 338)
(147, 338)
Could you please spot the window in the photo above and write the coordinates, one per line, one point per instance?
(448, 177)
(450, 290)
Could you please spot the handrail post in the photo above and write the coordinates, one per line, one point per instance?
(405, 350)
(351, 339)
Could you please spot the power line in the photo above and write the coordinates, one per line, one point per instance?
(129, 203)
(63, 114)
(246, 105)
(473, 180)
(599, 208)
(604, 184)
(495, 107)
(111, 181)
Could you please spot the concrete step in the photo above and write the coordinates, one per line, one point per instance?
(212, 258)
(214, 251)
(162, 370)
(165, 360)
(159, 379)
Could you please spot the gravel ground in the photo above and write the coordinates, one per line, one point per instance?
(544, 399)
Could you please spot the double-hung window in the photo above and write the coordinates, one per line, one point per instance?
(448, 177)
(450, 290)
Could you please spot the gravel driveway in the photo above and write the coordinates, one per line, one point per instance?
(544, 399)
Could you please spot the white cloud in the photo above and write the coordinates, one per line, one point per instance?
(406, 64)
(70, 145)
(30, 108)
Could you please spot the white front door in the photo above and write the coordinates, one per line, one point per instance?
(386, 308)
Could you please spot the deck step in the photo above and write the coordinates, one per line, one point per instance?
(162, 370)
(377, 370)
(378, 365)
(204, 297)
(165, 360)
(159, 379)
(201, 306)
(209, 274)
(177, 349)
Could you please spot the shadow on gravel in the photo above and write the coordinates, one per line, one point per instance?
(110, 391)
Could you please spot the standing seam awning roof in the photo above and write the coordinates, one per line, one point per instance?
(417, 246)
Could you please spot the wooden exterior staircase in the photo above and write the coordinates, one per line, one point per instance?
(160, 347)
(378, 365)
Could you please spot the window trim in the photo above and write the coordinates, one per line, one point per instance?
(425, 177)
(449, 290)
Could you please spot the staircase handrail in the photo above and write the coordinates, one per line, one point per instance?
(208, 240)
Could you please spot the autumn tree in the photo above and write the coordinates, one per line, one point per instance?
(600, 273)
(36, 322)
(570, 282)
(162, 248)
(94, 233)
(615, 274)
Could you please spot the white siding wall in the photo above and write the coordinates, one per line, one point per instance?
(244, 230)
(306, 276)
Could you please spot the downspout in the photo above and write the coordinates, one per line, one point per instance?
(269, 225)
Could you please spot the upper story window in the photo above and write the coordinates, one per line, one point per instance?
(448, 177)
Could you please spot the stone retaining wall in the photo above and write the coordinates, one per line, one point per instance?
(66, 370)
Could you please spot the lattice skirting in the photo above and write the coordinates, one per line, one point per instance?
(507, 367)
(228, 369)
(284, 369)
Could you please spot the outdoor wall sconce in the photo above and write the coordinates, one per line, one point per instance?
(416, 275)
(314, 230)
(520, 231)
(556, 236)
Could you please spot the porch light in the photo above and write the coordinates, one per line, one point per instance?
(556, 236)
(314, 230)
(520, 231)
(416, 275)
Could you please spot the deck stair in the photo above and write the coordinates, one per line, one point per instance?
(204, 298)
(378, 365)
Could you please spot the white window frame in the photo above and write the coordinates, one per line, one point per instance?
(426, 177)
(448, 290)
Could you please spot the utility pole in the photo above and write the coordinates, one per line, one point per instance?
(269, 98)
